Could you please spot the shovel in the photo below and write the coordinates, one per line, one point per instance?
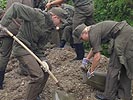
(44, 65)
(57, 94)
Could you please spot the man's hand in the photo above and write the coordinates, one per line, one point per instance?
(48, 5)
(46, 66)
(85, 61)
(89, 75)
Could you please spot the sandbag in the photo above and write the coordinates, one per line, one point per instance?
(97, 81)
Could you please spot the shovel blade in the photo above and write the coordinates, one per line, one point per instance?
(62, 95)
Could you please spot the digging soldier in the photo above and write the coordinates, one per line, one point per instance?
(6, 41)
(120, 72)
(83, 14)
(35, 32)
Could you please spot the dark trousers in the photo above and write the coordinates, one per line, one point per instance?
(38, 77)
(5, 52)
(66, 36)
(117, 82)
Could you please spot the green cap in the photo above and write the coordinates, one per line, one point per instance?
(78, 30)
(59, 12)
(1, 11)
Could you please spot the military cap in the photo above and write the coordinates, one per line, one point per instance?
(59, 12)
(78, 30)
(1, 11)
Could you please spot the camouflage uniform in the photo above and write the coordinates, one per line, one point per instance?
(6, 41)
(35, 32)
(120, 72)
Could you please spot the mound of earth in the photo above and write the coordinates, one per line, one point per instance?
(66, 70)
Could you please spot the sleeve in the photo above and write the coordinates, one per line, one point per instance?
(19, 10)
(95, 42)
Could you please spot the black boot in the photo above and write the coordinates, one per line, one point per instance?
(2, 73)
(79, 49)
(62, 43)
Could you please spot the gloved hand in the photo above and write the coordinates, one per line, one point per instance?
(46, 66)
(85, 61)
(89, 75)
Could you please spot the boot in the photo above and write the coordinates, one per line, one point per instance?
(62, 43)
(2, 73)
(79, 49)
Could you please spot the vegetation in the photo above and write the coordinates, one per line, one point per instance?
(3, 3)
(117, 10)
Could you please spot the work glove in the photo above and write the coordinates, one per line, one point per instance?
(89, 75)
(85, 61)
(46, 66)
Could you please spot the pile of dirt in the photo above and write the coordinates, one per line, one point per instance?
(66, 70)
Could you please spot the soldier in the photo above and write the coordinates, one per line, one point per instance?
(83, 14)
(65, 30)
(35, 31)
(6, 41)
(120, 72)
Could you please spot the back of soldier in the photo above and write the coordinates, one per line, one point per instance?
(14, 26)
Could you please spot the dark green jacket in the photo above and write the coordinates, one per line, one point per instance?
(120, 36)
(35, 30)
(14, 26)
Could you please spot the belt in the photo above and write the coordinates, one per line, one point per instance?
(117, 28)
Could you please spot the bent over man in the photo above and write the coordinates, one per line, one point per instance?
(7, 41)
(120, 69)
(35, 32)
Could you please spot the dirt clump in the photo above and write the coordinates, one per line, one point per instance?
(66, 70)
